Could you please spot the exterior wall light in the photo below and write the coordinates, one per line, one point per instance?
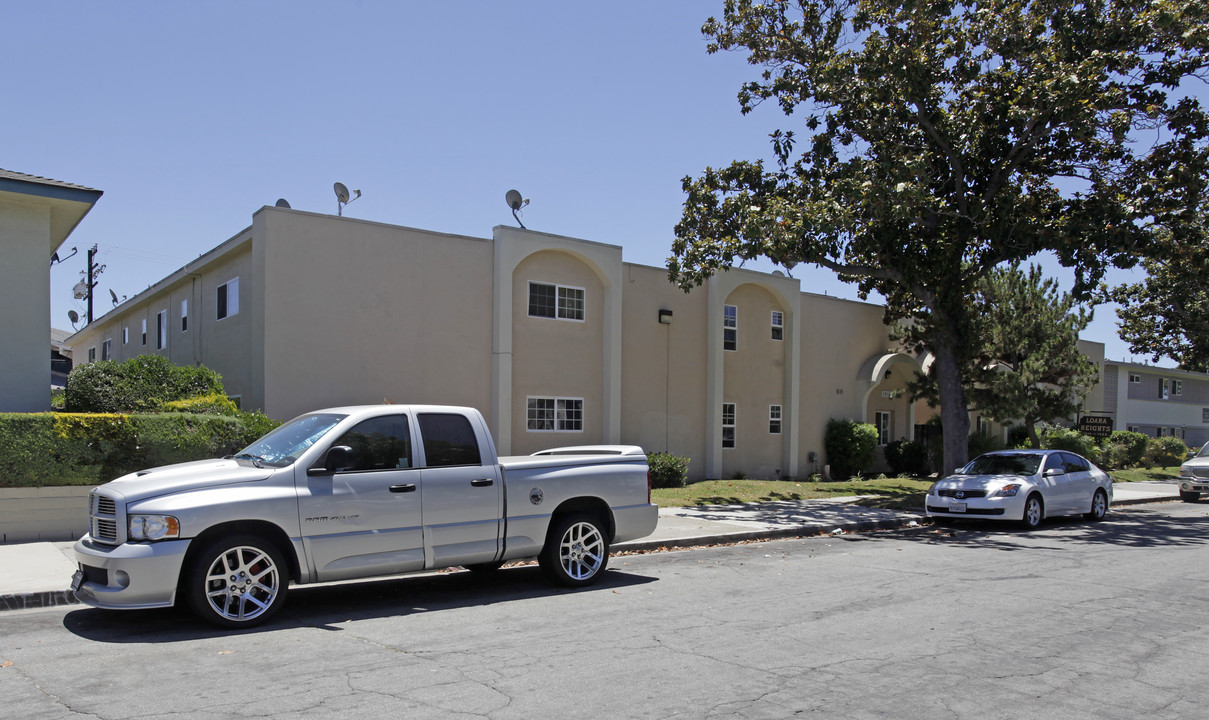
(665, 317)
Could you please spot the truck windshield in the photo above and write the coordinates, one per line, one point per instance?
(283, 446)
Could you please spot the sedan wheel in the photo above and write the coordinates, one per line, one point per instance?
(1034, 511)
(237, 582)
(1099, 506)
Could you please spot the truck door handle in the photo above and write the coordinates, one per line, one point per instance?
(482, 482)
(409, 487)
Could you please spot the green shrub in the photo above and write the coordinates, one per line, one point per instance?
(667, 470)
(978, 444)
(1124, 449)
(850, 446)
(907, 457)
(1059, 438)
(140, 384)
(1166, 451)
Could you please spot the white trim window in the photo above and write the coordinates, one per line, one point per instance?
(185, 315)
(774, 419)
(778, 325)
(144, 332)
(107, 349)
(125, 335)
(728, 426)
(882, 423)
(1177, 388)
(730, 327)
(564, 302)
(161, 330)
(227, 299)
(554, 414)
(92, 354)
(1135, 379)
(1164, 389)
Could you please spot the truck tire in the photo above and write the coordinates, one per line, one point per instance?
(237, 582)
(576, 550)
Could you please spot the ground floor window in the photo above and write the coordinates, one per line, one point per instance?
(554, 414)
(728, 425)
(774, 419)
(882, 422)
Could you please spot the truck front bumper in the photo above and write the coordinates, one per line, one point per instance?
(129, 576)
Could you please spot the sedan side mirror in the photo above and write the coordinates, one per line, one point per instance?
(1055, 471)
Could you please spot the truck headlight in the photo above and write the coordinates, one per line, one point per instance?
(154, 527)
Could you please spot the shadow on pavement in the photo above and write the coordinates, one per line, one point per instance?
(1125, 527)
(328, 605)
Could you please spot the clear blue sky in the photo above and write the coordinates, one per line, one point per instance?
(191, 116)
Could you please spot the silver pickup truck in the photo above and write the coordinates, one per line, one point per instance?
(352, 492)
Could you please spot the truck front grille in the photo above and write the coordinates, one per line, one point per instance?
(103, 518)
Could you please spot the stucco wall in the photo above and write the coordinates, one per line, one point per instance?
(754, 379)
(554, 357)
(663, 367)
(25, 295)
(358, 312)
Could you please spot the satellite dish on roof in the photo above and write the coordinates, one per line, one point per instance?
(282, 203)
(516, 202)
(342, 197)
(73, 316)
(80, 291)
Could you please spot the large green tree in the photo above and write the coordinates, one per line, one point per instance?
(1029, 368)
(946, 138)
(1168, 312)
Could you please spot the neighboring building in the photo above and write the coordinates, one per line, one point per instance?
(557, 340)
(1158, 401)
(60, 357)
(36, 216)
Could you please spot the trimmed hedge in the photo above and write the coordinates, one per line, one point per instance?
(667, 470)
(46, 449)
(907, 457)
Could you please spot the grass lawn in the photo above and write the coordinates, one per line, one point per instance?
(895, 493)
(889, 492)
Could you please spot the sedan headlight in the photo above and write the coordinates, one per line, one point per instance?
(1006, 491)
(154, 527)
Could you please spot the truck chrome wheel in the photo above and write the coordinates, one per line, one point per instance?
(576, 550)
(238, 582)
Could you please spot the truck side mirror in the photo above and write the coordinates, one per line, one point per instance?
(337, 458)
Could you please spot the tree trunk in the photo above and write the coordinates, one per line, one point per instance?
(954, 416)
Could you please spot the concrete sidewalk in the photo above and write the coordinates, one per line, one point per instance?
(37, 574)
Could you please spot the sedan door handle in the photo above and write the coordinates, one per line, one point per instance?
(482, 482)
(409, 487)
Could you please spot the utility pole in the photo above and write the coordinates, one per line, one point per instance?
(92, 272)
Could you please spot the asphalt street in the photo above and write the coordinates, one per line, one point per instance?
(1076, 620)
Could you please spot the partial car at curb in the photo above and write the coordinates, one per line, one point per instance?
(1024, 486)
(1194, 476)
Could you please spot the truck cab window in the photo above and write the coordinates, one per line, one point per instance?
(380, 443)
(449, 440)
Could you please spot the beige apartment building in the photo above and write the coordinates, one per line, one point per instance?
(557, 340)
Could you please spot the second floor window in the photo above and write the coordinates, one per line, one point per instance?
(556, 301)
(730, 327)
(778, 325)
(161, 330)
(227, 300)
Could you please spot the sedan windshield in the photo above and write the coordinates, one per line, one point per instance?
(283, 446)
(1004, 465)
